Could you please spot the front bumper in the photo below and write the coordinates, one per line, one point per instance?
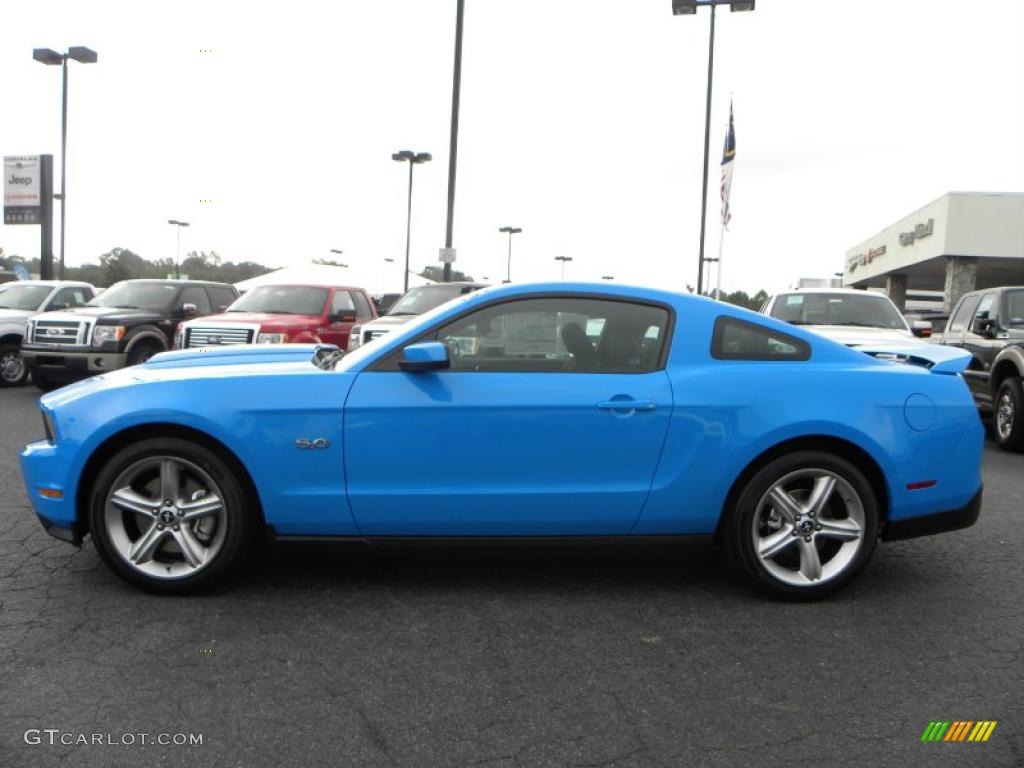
(926, 525)
(71, 363)
(44, 466)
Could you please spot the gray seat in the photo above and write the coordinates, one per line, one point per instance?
(584, 358)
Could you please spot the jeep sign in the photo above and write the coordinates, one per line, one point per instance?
(22, 176)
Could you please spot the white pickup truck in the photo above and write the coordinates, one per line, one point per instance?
(19, 301)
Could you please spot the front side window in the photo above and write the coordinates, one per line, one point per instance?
(1014, 309)
(736, 339)
(963, 313)
(196, 295)
(559, 334)
(71, 297)
(221, 298)
(986, 307)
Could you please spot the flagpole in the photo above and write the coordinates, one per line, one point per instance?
(718, 281)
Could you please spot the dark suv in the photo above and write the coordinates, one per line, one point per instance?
(990, 325)
(125, 325)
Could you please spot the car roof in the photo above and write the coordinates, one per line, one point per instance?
(65, 283)
(173, 281)
(306, 285)
(840, 291)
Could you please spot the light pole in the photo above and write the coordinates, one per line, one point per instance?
(686, 8)
(453, 140)
(338, 253)
(177, 251)
(413, 158)
(563, 259)
(82, 55)
(511, 231)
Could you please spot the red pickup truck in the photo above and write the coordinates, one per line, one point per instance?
(282, 314)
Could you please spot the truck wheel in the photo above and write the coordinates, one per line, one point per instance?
(142, 352)
(1009, 415)
(12, 368)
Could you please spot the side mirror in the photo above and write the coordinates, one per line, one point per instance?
(343, 317)
(428, 356)
(189, 309)
(984, 327)
(921, 328)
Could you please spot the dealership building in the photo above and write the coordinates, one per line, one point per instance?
(958, 243)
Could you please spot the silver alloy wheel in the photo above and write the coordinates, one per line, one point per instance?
(808, 528)
(12, 367)
(1005, 415)
(165, 517)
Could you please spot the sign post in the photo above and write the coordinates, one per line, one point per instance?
(28, 199)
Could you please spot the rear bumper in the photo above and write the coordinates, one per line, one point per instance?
(926, 525)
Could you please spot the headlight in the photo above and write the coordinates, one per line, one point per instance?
(272, 338)
(50, 427)
(104, 333)
(355, 337)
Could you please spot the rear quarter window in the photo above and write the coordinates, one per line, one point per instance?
(735, 339)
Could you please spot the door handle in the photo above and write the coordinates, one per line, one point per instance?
(627, 405)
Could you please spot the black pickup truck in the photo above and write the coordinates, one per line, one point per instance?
(990, 325)
(125, 325)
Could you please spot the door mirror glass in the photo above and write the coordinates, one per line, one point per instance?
(428, 356)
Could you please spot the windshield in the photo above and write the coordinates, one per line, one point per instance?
(1014, 307)
(866, 311)
(14, 296)
(131, 295)
(426, 297)
(282, 300)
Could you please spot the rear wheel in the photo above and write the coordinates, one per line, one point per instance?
(803, 526)
(1009, 415)
(12, 368)
(168, 516)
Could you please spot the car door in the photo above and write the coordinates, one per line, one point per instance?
(982, 345)
(534, 430)
(340, 318)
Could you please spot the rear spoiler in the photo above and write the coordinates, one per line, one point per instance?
(935, 357)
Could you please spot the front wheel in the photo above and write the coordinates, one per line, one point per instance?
(168, 516)
(803, 526)
(1009, 415)
(141, 352)
(12, 368)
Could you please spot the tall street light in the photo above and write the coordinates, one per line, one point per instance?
(563, 259)
(686, 8)
(82, 55)
(511, 231)
(413, 158)
(177, 251)
(338, 253)
(453, 138)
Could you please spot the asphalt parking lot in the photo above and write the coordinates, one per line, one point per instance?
(510, 655)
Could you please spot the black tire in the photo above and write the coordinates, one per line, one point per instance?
(111, 526)
(142, 351)
(44, 383)
(1008, 417)
(844, 539)
(13, 371)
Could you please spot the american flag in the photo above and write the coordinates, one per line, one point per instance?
(728, 154)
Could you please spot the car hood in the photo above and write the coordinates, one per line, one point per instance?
(106, 314)
(15, 314)
(241, 360)
(856, 335)
(257, 318)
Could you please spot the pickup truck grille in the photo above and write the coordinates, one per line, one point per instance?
(65, 333)
(213, 336)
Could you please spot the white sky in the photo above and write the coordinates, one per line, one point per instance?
(582, 122)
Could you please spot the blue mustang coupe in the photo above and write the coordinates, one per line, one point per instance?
(555, 410)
